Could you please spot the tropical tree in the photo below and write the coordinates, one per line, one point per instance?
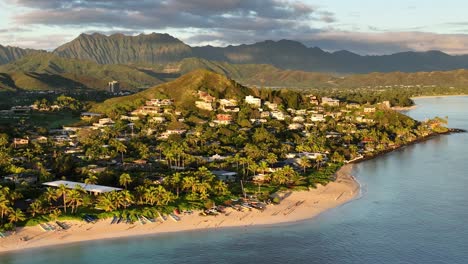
(36, 207)
(221, 188)
(75, 198)
(62, 191)
(263, 166)
(125, 179)
(304, 162)
(174, 181)
(127, 198)
(119, 147)
(16, 216)
(318, 161)
(105, 202)
(91, 179)
(189, 183)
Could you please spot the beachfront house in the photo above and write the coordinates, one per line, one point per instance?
(92, 188)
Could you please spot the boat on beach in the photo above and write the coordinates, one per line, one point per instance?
(174, 217)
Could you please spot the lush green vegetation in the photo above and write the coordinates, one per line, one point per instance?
(177, 171)
(45, 71)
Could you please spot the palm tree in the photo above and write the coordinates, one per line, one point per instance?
(203, 189)
(263, 166)
(36, 207)
(105, 202)
(189, 183)
(16, 216)
(62, 191)
(55, 214)
(50, 195)
(76, 199)
(140, 191)
(221, 188)
(174, 182)
(4, 206)
(304, 162)
(125, 180)
(271, 158)
(318, 161)
(127, 198)
(119, 147)
(91, 179)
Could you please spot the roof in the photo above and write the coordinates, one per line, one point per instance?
(87, 187)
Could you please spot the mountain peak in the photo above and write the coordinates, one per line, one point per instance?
(124, 49)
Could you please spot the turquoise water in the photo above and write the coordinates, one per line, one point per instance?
(414, 209)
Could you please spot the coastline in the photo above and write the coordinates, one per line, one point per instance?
(295, 206)
(436, 96)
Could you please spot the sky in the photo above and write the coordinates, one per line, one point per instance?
(368, 27)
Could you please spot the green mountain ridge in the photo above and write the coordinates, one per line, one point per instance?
(9, 54)
(184, 91)
(121, 49)
(284, 54)
(47, 71)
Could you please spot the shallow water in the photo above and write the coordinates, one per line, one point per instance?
(413, 209)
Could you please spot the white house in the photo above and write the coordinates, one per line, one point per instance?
(257, 102)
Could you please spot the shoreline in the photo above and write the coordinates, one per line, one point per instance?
(435, 96)
(295, 206)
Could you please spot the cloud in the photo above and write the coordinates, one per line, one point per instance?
(216, 22)
(130, 14)
(390, 42)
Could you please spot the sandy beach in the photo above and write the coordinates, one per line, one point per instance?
(295, 206)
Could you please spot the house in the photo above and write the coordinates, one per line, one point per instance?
(300, 112)
(225, 176)
(21, 178)
(158, 119)
(313, 100)
(89, 115)
(168, 132)
(204, 105)
(265, 114)
(317, 118)
(259, 177)
(40, 139)
(20, 141)
(332, 134)
(129, 118)
(271, 106)
(21, 109)
(295, 126)
(352, 106)
(278, 115)
(103, 122)
(229, 105)
(330, 101)
(147, 110)
(253, 101)
(298, 119)
(369, 109)
(160, 102)
(258, 120)
(223, 119)
(204, 96)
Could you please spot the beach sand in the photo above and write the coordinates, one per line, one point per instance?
(295, 206)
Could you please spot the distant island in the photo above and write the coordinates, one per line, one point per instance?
(202, 151)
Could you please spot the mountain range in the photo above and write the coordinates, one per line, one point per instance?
(157, 48)
(91, 60)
